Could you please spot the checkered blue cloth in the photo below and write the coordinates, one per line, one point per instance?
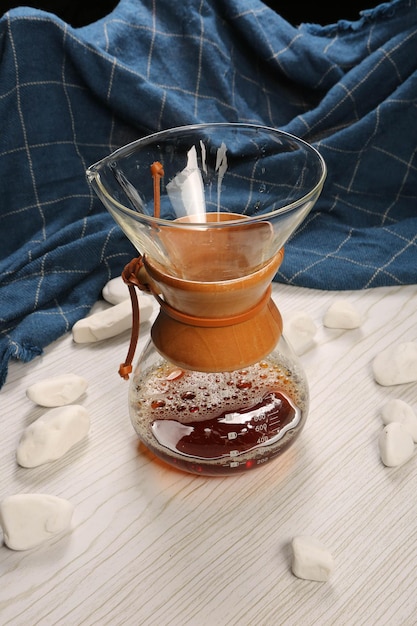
(70, 96)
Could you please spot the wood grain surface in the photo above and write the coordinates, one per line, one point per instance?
(151, 545)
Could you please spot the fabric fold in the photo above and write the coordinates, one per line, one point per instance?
(70, 96)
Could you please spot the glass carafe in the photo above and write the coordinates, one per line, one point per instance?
(217, 389)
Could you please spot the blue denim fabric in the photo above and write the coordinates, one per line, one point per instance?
(69, 96)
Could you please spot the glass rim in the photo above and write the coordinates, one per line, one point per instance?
(93, 175)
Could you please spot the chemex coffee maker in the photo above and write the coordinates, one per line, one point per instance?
(217, 389)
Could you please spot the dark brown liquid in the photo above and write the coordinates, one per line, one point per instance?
(230, 434)
(219, 423)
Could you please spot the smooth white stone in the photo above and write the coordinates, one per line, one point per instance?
(300, 330)
(311, 559)
(52, 435)
(57, 390)
(342, 314)
(30, 519)
(108, 323)
(396, 365)
(115, 291)
(399, 411)
(396, 445)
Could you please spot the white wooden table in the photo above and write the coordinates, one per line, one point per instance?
(150, 545)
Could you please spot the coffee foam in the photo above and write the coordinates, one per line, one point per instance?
(167, 393)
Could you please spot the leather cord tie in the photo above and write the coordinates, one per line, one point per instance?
(130, 277)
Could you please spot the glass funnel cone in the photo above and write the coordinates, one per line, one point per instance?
(229, 197)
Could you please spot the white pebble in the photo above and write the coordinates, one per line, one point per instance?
(342, 314)
(52, 435)
(399, 411)
(299, 330)
(30, 519)
(115, 291)
(311, 559)
(396, 445)
(396, 365)
(108, 323)
(57, 390)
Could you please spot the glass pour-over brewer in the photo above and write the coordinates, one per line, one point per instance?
(209, 207)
